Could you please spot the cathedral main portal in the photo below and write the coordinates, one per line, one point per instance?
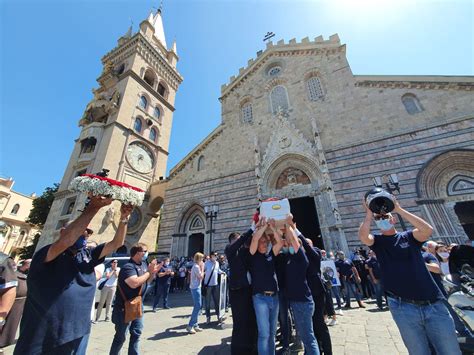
(306, 219)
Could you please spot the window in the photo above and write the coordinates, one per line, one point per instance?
(88, 145)
(137, 126)
(157, 113)
(161, 89)
(314, 88)
(200, 163)
(150, 77)
(279, 99)
(411, 103)
(246, 111)
(153, 134)
(81, 172)
(68, 207)
(143, 102)
(274, 71)
(15, 209)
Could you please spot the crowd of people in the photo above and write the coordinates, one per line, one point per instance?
(274, 285)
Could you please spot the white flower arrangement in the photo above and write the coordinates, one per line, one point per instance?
(96, 185)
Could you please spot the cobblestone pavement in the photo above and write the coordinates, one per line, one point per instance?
(359, 331)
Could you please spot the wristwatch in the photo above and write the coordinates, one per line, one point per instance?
(124, 221)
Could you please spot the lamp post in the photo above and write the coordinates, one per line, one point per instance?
(211, 214)
(391, 184)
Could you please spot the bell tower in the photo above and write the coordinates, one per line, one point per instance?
(125, 129)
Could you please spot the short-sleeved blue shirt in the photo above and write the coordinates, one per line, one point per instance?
(373, 264)
(262, 270)
(59, 299)
(164, 279)
(345, 267)
(403, 269)
(297, 289)
(129, 269)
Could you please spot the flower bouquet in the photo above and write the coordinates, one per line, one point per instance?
(103, 186)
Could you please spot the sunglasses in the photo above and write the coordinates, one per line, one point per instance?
(383, 216)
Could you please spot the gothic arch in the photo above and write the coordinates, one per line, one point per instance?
(186, 216)
(439, 184)
(434, 177)
(301, 162)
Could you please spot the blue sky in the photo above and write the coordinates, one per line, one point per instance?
(51, 50)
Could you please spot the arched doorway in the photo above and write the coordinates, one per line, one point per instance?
(190, 236)
(445, 188)
(312, 200)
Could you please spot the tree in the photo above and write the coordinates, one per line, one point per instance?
(41, 206)
(37, 216)
(28, 251)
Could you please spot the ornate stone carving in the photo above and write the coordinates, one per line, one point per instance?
(292, 176)
(101, 106)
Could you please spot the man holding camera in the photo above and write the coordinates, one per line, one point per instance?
(62, 284)
(413, 297)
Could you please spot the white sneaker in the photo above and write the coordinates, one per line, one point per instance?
(190, 330)
(222, 319)
(339, 312)
(197, 329)
(332, 322)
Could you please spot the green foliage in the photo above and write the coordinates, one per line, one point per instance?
(41, 206)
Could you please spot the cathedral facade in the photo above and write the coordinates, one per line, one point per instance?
(125, 129)
(298, 124)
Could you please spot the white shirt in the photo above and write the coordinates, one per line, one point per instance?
(112, 281)
(212, 279)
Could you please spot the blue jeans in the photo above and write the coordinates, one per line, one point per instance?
(266, 312)
(284, 319)
(336, 292)
(421, 326)
(135, 327)
(351, 288)
(212, 291)
(196, 293)
(303, 313)
(161, 289)
(378, 293)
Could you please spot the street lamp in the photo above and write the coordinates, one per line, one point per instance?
(392, 184)
(211, 214)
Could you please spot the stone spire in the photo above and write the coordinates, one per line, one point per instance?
(157, 22)
(173, 47)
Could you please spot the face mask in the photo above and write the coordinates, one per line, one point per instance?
(80, 243)
(444, 254)
(145, 256)
(384, 224)
(284, 250)
(291, 250)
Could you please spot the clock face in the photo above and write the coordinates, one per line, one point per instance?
(140, 157)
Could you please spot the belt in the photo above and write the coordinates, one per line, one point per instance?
(268, 293)
(415, 302)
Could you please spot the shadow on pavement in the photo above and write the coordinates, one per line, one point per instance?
(175, 332)
(222, 348)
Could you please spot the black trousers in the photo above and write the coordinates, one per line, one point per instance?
(244, 330)
(320, 328)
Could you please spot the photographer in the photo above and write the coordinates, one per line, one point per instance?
(415, 301)
(162, 284)
(61, 287)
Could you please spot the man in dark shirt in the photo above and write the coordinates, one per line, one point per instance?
(162, 284)
(414, 299)
(350, 277)
(132, 281)
(373, 268)
(244, 331)
(61, 287)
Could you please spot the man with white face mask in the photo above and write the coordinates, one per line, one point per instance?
(415, 301)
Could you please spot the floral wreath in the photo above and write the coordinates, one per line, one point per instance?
(103, 186)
